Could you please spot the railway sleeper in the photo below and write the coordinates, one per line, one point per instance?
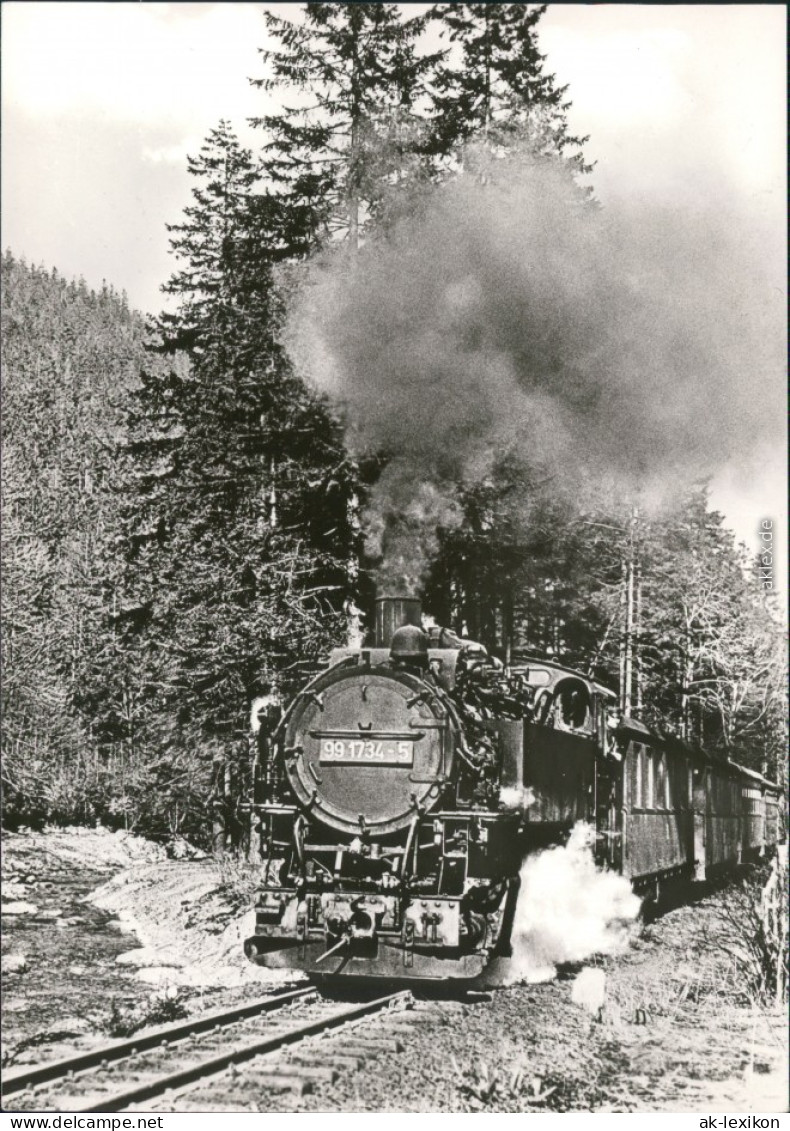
(407, 1021)
(363, 1049)
(320, 1073)
(276, 1081)
(336, 1059)
(372, 1044)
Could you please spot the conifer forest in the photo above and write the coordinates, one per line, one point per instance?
(403, 347)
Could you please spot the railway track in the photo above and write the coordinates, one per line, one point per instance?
(280, 1040)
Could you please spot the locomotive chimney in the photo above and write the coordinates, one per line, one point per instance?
(393, 613)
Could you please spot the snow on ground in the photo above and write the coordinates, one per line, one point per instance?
(191, 935)
(189, 931)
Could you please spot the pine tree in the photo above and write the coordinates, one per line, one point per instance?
(234, 532)
(336, 160)
(495, 92)
(226, 246)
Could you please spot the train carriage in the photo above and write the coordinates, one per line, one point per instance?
(753, 813)
(658, 814)
(760, 813)
(723, 839)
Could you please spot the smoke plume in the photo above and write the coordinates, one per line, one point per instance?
(603, 349)
(567, 911)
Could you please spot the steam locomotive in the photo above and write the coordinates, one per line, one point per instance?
(394, 802)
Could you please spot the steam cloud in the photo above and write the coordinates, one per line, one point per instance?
(567, 911)
(605, 349)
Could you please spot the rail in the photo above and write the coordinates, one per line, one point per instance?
(196, 1072)
(59, 1073)
(15, 1082)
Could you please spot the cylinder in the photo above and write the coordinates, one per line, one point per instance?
(392, 613)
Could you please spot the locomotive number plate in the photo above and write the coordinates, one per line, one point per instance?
(369, 752)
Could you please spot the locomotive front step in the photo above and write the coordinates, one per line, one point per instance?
(389, 961)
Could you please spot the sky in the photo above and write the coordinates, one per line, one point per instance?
(102, 102)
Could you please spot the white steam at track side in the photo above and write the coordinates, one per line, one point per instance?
(568, 910)
(596, 350)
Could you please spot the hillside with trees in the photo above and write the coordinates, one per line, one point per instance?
(70, 355)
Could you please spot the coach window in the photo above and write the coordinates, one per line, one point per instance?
(637, 793)
(658, 782)
(677, 783)
(662, 783)
(671, 779)
(644, 757)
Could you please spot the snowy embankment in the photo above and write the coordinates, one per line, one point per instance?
(188, 930)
